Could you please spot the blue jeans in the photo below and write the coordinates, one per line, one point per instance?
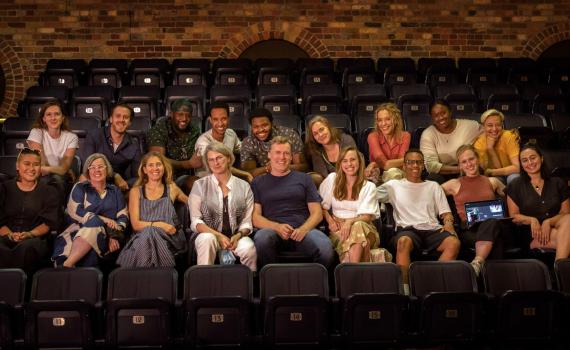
(315, 244)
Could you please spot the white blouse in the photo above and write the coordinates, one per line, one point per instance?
(206, 203)
(367, 203)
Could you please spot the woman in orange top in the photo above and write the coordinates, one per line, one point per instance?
(388, 143)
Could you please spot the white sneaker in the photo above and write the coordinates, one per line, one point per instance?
(477, 264)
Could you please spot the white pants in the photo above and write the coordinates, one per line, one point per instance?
(207, 247)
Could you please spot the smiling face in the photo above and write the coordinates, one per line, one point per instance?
(261, 128)
(97, 170)
(384, 122)
(413, 166)
(154, 169)
(441, 118)
(321, 133)
(469, 163)
(181, 118)
(28, 167)
(219, 120)
(120, 120)
(280, 158)
(53, 118)
(217, 162)
(493, 126)
(350, 163)
(531, 161)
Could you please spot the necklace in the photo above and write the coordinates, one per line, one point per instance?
(538, 186)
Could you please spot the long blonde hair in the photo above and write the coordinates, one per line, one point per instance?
(395, 115)
(340, 191)
(166, 177)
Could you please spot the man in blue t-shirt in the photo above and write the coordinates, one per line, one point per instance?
(287, 210)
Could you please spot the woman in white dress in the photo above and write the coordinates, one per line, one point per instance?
(350, 207)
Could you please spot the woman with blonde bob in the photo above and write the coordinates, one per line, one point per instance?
(158, 235)
(98, 213)
(349, 207)
(387, 144)
(498, 149)
(221, 208)
(323, 144)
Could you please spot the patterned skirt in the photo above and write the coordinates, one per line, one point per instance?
(364, 234)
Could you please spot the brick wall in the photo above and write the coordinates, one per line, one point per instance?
(33, 31)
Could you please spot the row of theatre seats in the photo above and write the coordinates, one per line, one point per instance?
(310, 86)
(515, 303)
(305, 71)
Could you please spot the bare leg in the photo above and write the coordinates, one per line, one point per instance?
(562, 237)
(355, 253)
(449, 249)
(482, 250)
(79, 249)
(403, 250)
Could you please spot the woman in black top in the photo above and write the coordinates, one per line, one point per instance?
(29, 210)
(540, 202)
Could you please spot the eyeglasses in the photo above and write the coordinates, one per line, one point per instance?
(215, 160)
(97, 167)
(414, 162)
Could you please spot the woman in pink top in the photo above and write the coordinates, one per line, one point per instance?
(388, 143)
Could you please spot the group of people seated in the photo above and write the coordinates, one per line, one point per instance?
(278, 194)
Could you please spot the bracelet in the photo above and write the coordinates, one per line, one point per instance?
(29, 234)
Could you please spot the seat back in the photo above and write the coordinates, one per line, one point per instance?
(144, 100)
(68, 284)
(280, 99)
(91, 102)
(238, 98)
(562, 270)
(367, 278)
(139, 306)
(8, 167)
(36, 96)
(218, 301)
(13, 283)
(437, 276)
(500, 276)
(60, 312)
(293, 279)
(14, 135)
(294, 297)
(107, 72)
(451, 309)
(525, 301)
(372, 303)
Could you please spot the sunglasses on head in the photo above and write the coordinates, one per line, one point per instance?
(27, 150)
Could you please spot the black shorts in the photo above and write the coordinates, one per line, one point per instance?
(429, 240)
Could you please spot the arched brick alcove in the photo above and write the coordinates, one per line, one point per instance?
(536, 45)
(14, 75)
(274, 30)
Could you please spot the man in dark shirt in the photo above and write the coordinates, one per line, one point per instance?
(287, 209)
(175, 137)
(122, 151)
